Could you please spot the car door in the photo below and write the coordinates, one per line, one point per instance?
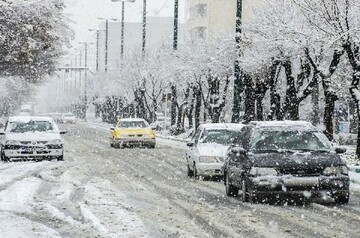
(192, 151)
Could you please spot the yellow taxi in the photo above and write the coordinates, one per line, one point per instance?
(132, 131)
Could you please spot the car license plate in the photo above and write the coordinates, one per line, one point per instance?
(301, 181)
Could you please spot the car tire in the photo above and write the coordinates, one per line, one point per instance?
(152, 146)
(60, 158)
(245, 191)
(342, 199)
(190, 173)
(230, 189)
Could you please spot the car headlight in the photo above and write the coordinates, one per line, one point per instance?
(334, 170)
(12, 142)
(55, 142)
(152, 134)
(208, 159)
(258, 171)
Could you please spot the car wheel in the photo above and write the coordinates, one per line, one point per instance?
(245, 192)
(152, 146)
(342, 199)
(3, 157)
(196, 176)
(231, 190)
(190, 173)
(60, 158)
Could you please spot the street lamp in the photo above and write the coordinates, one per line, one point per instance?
(238, 82)
(144, 27)
(97, 46)
(107, 39)
(122, 23)
(85, 74)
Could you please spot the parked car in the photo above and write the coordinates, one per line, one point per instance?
(27, 137)
(285, 159)
(132, 131)
(207, 149)
(68, 118)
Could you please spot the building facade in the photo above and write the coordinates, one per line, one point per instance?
(212, 18)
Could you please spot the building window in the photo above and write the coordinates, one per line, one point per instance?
(201, 10)
(198, 33)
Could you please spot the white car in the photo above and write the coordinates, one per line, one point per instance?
(27, 138)
(68, 118)
(208, 147)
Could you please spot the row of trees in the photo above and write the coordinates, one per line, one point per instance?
(295, 56)
(34, 35)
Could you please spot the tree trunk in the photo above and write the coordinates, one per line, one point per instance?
(198, 100)
(330, 99)
(173, 105)
(250, 98)
(315, 103)
(291, 101)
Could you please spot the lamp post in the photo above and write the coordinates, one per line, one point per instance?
(238, 82)
(144, 28)
(86, 44)
(97, 47)
(122, 23)
(107, 39)
(176, 19)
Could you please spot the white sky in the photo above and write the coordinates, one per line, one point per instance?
(85, 13)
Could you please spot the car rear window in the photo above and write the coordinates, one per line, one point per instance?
(289, 140)
(132, 124)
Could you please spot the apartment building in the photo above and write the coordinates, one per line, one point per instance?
(211, 18)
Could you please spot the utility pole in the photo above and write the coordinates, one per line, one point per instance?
(144, 28)
(238, 82)
(176, 21)
(106, 43)
(97, 50)
(122, 29)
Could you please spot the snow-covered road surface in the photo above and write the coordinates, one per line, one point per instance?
(100, 191)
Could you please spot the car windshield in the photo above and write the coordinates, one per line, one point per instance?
(290, 140)
(133, 124)
(31, 126)
(223, 137)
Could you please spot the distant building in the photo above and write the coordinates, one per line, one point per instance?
(159, 32)
(208, 18)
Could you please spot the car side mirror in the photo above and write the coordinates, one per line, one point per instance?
(340, 150)
(112, 128)
(63, 132)
(153, 128)
(190, 144)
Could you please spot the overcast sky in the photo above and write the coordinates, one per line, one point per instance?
(85, 13)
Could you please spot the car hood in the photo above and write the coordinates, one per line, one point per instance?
(212, 149)
(33, 136)
(296, 160)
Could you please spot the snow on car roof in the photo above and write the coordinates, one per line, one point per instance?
(29, 118)
(132, 119)
(223, 126)
(293, 125)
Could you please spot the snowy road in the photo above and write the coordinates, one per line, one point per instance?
(100, 191)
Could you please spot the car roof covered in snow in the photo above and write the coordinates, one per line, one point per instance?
(131, 119)
(230, 126)
(29, 118)
(281, 125)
